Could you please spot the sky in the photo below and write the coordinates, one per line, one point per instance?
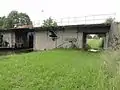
(42, 9)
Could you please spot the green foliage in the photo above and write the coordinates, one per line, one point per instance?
(109, 20)
(111, 68)
(7, 23)
(15, 19)
(2, 19)
(51, 26)
(49, 22)
(24, 19)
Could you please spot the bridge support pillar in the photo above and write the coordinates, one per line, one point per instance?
(84, 40)
(80, 40)
(106, 40)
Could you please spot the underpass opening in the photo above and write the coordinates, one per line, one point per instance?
(95, 41)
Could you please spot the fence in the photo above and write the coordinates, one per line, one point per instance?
(91, 19)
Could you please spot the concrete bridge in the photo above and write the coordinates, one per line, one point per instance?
(40, 38)
(94, 29)
(65, 34)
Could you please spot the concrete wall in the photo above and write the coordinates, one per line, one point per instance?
(65, 36)
(12, 39)
(114, 32)
(43, 41)
(118, 26)
(106, 38)
(9, 37)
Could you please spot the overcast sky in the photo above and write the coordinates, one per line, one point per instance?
(38, 9)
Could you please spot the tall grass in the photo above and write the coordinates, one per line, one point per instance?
(60, 70)
(111, 69)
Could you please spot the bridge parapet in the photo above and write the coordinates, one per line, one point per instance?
(91, 19)
(84, 20)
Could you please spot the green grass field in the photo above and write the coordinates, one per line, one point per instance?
(94, 43)
(52, 70)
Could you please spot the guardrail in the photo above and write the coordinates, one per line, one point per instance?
(90, 19)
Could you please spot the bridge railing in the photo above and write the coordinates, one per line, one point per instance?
(91, 19)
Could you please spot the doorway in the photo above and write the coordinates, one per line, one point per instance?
(31, 38)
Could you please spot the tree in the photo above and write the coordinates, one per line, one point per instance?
(15, 19)
(2, 19)
(49, 22)
(18, 19)
(109, 20)
(24, 19)
(7, 23)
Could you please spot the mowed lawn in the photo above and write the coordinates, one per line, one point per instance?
(52, 70)
(94, 43)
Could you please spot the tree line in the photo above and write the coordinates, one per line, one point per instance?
(15, 19)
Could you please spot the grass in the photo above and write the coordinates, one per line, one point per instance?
(94, 43)
(52, 70)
